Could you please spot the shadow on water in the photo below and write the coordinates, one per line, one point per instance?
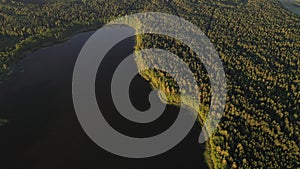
(43, 130)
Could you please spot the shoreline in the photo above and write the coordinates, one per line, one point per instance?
(289, 6)
(208, 146)
(4, 76)
(167, 99)
(39, 123)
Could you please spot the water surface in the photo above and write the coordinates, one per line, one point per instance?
(43, 131)
(288, 4)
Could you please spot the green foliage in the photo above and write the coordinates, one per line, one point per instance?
(257, 40)
(26, 25)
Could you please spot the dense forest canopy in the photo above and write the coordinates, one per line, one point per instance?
(257, 40)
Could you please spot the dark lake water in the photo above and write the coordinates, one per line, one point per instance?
(43, 131)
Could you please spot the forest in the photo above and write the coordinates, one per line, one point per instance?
(258, 42)
(260, 54)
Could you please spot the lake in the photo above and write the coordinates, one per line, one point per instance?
(44, 132)
(290, 6)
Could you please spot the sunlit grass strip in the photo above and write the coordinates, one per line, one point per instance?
(175, 99)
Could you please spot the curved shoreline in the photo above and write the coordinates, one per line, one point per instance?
(6, 75)
(294, 8)
(41, 125)
(80, 31)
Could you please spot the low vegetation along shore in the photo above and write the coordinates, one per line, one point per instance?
(253, 73)
(258, 43)
(291, 5)
(165, 84)
(295, 2)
